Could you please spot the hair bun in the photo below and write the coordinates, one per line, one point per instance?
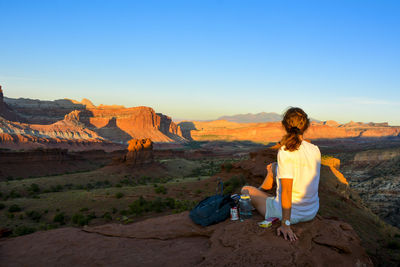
(294, 130)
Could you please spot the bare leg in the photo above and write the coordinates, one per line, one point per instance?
(258, 198)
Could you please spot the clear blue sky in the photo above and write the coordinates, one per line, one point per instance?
(201, 59)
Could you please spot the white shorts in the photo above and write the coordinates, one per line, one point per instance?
(271, 211)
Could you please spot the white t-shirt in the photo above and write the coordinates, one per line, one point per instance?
(303, 166)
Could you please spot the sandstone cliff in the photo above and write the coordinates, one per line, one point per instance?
(60, 134)
(5, 111)
(121, 125)
(27, 123)
(273, 131)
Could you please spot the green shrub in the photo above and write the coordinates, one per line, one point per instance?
(170, 203)
(158, 205)
(228, 166)
(14, 194)
(161, 190)
(124, 212)
(59, 218)
(80, 219)
(142, 205)
(56, 188)
(34, 188)
(91, 215)
(89, 186)
(233, 184)
(107, 216)
(34, 215)
(119, 195)
(83, 209)
(14, 208)
(183, 205)
(23, 230)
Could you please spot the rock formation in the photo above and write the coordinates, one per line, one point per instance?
(176, 241)
(140, 151)
(114, 123)
(273, 131)
(5, 111)
(27, 123)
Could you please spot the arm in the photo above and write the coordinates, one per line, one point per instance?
(286, 199)
(269, 179)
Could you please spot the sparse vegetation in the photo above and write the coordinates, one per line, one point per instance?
(119, 195)
(80, 219)
(34, 215)
(34, 188)
(59, 218)
(141, 205)
(14, 208)
(160, 190)
(23, 230)
(233, 184)
(228, 166)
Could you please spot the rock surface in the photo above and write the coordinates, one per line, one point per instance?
(175, 240)
(140, 151)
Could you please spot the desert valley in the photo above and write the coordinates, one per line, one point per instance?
(122, 176)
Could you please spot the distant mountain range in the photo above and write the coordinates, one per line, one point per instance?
(259, 117)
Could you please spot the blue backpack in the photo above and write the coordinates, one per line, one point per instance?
(212, 209)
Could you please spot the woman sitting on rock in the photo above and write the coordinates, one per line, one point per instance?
(297, 177)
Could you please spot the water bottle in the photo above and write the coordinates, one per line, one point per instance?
(245, 207)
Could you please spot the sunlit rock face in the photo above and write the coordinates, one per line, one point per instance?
(273, 131)
(115, 123)
(140, 151)
(28, 123)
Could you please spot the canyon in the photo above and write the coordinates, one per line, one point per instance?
(375, 175)
(65, 123)
(70, 124)
(70, 148)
